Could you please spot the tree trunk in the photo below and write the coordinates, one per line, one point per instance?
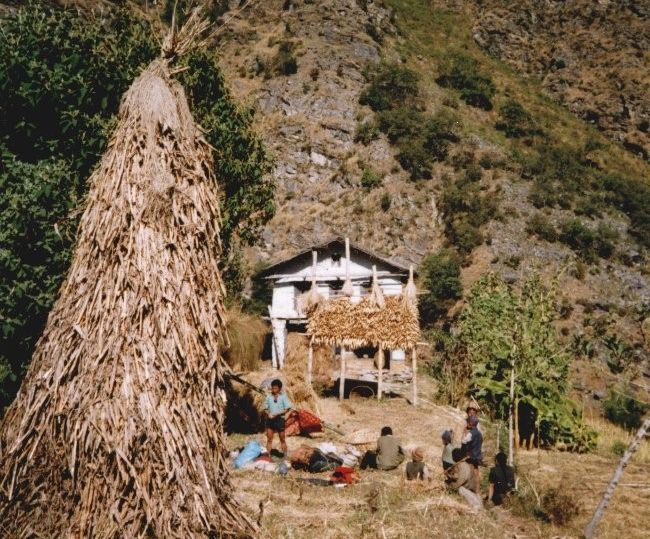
(511, 433)
(609, 491)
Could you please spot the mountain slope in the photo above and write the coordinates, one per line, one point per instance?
(304, 65)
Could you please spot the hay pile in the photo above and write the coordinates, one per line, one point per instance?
(342, 323)
(117, 428)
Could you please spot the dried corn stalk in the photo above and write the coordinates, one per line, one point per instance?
(117, 428)
(343, 323)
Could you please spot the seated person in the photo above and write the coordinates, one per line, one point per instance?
(502, 479)
(417, 469)
(389, 454)
(447, 448)
(461, 474)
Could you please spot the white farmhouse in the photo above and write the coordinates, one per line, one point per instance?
(326, 265)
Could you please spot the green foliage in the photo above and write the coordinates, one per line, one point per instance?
(284, 62)
(440, 283)
(366, 132)
(503, 329)
(463, 73)
(588, 243)
(619, 448)
(515, 121)
(391, 86)
(623, 409)
(467, 207)
(540, 226)
(62, 76)
(370, 179)
(422, 139)
(632, 197)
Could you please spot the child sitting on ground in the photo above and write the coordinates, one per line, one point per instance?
(417, 469)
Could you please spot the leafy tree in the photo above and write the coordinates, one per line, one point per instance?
(441, 284)
(62, 75)
(501, 330)
(463, 73)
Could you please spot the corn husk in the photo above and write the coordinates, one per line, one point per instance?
(340, 322)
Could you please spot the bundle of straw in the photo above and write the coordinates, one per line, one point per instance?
(117, 428)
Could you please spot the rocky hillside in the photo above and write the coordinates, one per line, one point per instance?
(593, 57)
(304, 66)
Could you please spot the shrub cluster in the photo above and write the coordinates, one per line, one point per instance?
(515, 121)
(370, 178)
(538, 225)
(467, 207)
(463, 73)
(421, 138)
(624, 410)
(588, 243)
(284, 62)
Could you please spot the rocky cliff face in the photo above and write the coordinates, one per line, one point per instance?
(300, 64)
(308, 119)
(592, 56)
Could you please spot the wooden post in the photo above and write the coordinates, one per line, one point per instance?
(310, 360)
(380, 366)
(609, 491)
(342, 375)
(415, 377)
(511, 432)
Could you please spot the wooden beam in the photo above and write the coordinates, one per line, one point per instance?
(342, 375)
(380, 364)
(415, 376)
(310, 360)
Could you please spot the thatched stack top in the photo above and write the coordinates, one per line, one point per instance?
(340, 322)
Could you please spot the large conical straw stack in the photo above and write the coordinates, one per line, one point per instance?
(117, 429)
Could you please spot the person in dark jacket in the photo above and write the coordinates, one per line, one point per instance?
(501, 478)
(417, 469)
(472, 446)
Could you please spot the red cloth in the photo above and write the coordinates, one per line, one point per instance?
(344, 474)
(302, 422)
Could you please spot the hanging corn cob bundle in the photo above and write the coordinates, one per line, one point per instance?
(117, 428)
(347, 288)
(410, 292)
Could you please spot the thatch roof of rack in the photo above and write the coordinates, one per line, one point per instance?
(343, 323)
(117, 428)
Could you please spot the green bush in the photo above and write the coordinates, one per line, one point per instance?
(462, 72)
(515, 121)
(62, 75)
(632, 197)
(619, 448)
(586, 242)
(540, 226)
(421, 139)
(366, 132)
(370, 179)
(623, 409)
(391, 86)
(440, 284)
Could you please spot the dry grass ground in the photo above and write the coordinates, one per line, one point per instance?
(384, 506)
